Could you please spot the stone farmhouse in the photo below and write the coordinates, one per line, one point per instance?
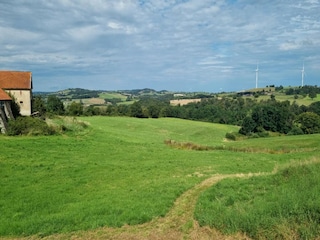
(19, 86)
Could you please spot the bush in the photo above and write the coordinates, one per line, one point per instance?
(231, 136)
(296, 131)
(29, 126)
(263, 134)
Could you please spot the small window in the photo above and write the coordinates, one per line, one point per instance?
(21, 102)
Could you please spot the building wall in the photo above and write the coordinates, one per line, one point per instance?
(23, 98)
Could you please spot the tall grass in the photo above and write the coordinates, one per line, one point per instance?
(280, 206)
(116, 171)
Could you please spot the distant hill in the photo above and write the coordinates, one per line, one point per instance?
(92, 97)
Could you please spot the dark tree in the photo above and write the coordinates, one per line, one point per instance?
(75, 109)
(55, 105)
(309, 122)
(248, 126)
(154, 111)
(315, 107)
(312, 95)
(136, 110)
(39, 106)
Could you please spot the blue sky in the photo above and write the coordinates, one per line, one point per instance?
(177, 45)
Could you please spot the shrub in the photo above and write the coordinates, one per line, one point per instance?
(29, 126)
(231, 136)
(63, 125)
(296, 131)
(263, 134)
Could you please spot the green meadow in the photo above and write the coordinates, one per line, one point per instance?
(119, 171)
(291, 98)
(280, 206)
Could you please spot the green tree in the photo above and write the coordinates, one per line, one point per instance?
(111, 110)
(314, 107)
(309, 122)
(272, 97)
(92, 111)
(312, 95)
(75, 109)
(248, 126)
(273, 116)
(136, 110)
(154, 111)
(123, 110)
(38, 105)
(265, 117)
(55, 105)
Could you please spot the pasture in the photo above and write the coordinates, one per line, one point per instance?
(282, 97)
(119, 171)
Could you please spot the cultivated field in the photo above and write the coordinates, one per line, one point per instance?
(117, 179)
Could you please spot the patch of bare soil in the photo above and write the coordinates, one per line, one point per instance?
(177, 224)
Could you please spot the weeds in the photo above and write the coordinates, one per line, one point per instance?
(198, 147)
(29, 126)
(187, 145)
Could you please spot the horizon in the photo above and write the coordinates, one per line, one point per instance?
(181, 45)
(168, 90)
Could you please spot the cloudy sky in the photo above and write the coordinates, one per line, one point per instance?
(177, 45)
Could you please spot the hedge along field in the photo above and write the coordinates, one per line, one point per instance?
(119, 172)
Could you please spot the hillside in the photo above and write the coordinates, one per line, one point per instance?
(300, 95)
(118, 178)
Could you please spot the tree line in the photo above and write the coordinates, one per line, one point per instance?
(255, 118)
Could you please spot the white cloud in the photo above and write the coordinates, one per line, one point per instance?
(169, 41)
(289, 46)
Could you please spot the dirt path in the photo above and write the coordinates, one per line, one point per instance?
(177, 224)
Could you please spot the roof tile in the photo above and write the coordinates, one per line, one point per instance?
(4, 96)
(15, 80)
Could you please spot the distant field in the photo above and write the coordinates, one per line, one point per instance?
(112, 95)
(120, 171)
(282, 97)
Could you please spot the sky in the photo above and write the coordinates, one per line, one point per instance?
(176, 45)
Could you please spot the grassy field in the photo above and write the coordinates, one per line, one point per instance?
(119, 171)
(282, 97)
(113, 95)
(280, 206)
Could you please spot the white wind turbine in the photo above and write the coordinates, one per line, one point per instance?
(257, 75)
(302, 75)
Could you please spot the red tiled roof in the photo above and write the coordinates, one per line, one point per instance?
(4, 96)
(15, 80)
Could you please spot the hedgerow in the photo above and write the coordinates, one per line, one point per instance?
(29, 126)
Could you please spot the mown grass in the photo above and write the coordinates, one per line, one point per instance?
(117, 171)
(280, 206)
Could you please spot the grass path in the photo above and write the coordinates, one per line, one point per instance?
(177, 224)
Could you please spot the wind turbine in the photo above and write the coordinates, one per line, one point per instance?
(302, 75)
(257, 75)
